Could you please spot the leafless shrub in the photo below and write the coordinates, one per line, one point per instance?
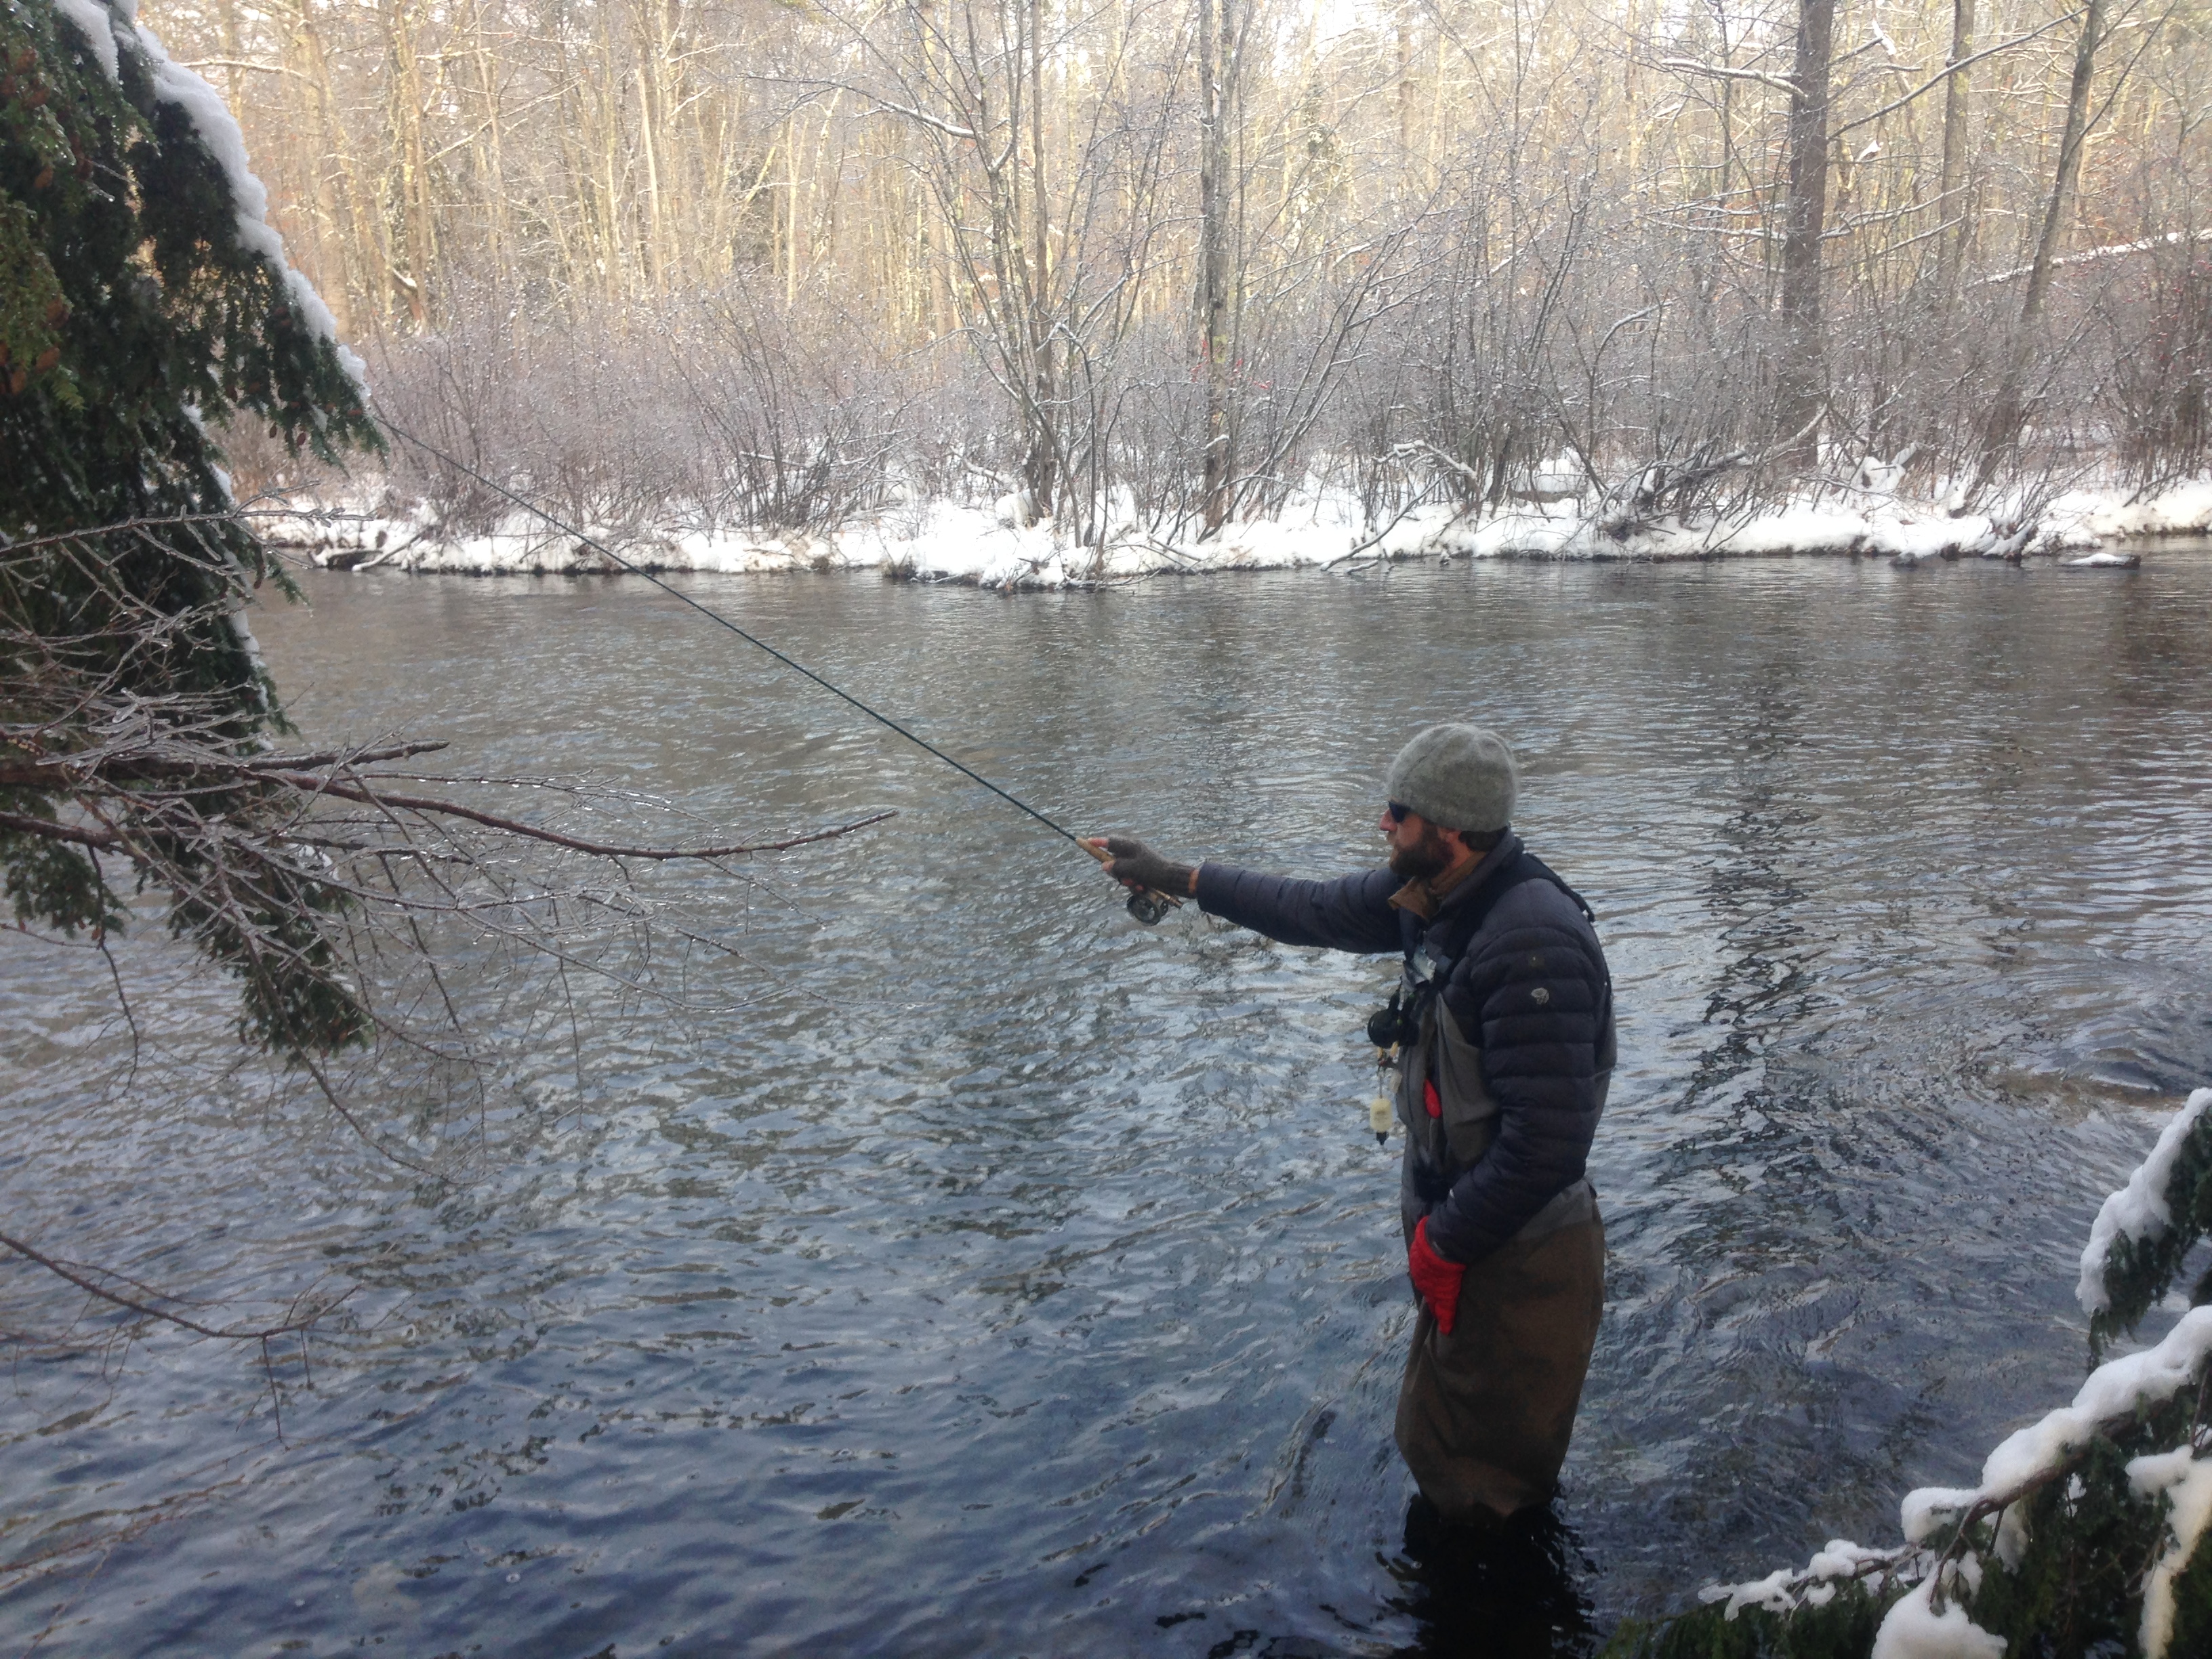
(2154, 325)
(716, 412)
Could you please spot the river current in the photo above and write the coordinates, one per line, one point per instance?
(1003, 1278)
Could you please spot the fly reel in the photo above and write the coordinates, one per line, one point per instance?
(1148, 904)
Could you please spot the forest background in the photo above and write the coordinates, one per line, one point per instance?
(1144, 268)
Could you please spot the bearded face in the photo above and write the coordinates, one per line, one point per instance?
(1419, 859)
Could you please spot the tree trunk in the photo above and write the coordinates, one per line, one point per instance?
(1957, 94)
(226, 16)
(418, 228)
(1805, 216)
(1213, 36)
(346, 253)
(1041, 472)
(2008, 411)
(655, 227)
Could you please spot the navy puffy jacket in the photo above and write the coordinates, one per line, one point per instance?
(1531, 987)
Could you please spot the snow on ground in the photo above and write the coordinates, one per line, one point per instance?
(944, 541)
(2082, 518)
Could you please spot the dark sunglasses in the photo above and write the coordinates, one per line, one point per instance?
(1396, 810)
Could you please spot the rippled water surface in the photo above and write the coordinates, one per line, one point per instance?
(1003, 1277)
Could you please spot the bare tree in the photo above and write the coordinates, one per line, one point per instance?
(2008, 408)
(1951, 185)
(1805, 218)
(1217, 101)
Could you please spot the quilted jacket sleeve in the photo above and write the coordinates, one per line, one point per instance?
(1534, 985)
(1351, 913)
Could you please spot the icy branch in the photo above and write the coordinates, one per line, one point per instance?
(1721, 71)
(2111, 251)
(1783, 1591)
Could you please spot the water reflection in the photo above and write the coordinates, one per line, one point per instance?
(1010, 1277)
(1511, 1591)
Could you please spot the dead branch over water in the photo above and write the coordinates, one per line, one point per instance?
(392, 932)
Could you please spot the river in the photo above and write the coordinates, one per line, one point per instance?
(1005, 1277)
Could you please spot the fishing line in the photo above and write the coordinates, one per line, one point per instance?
(600, 547)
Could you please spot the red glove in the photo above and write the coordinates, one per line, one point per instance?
(1436, 1279)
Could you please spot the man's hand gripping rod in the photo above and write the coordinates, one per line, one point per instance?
(1148, 904)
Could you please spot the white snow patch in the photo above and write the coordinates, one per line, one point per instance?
(2140, 1210)
(2187, 1482)
(1773, 1593)
(989, 546)
(1914, 1630)
(2082, 518)
(93, 20)
(938, 541)
(1928, 1508)
(2012, 1537)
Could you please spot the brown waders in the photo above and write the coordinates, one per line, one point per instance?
(1485, 1414)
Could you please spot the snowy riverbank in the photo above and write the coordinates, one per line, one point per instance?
(946, 542)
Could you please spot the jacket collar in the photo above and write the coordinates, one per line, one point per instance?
(1429, 899)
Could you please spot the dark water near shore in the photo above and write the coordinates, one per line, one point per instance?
(1005, 1278)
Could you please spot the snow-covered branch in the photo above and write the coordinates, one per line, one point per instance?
(2051, 1491)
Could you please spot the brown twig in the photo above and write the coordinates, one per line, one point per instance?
(67, 1271)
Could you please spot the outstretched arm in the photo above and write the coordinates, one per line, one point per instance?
(1351, 913)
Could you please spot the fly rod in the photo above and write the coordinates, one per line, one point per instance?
(1149, 906)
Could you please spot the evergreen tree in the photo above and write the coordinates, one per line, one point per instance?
(144, 301)
(2086, 1537)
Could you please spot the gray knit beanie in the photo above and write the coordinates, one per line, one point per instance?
(1457, 777)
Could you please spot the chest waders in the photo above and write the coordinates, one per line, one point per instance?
(1485, 1414)
(1439, 1098)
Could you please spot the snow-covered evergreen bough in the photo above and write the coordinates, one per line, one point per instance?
(144, 298)
(2083, 1534)
(145, 304)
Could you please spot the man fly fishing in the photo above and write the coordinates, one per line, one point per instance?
(1501, 1034)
